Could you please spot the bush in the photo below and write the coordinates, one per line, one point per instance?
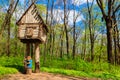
(7, 70)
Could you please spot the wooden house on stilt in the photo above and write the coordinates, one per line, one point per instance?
(31, 26)
(32, 30)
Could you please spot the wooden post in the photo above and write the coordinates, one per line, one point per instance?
(37, 58)
(27, 49)
(27, 70)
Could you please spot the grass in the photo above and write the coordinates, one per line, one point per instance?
(80, 73)
(77, 67)
(9, 65)
(7, 70)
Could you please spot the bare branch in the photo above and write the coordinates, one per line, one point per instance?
(117, 8)
(109, 7)
(113, 2)
(91, 5)
(100, 4)
(13, 9)
(8, 16)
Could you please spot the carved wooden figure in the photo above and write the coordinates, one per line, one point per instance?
(31, 29)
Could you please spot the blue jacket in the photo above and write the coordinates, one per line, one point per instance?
(29, 65)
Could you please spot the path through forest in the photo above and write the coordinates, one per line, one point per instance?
(42, 76)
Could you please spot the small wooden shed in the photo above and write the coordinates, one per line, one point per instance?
(31, 27)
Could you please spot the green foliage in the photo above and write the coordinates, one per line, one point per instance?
(7, 70)
(65, 72)
(77, 67)
(10, 65)
(80, 73)
(9, 61)
(42, 9)
(2, 15)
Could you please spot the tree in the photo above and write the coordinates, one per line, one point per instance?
(65, 27)
(45, 45)
(7, 21)
(75, 17)
(51, 28)
(108, 17)
(116, 37)
(91, 28)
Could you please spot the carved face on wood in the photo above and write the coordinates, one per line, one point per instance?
(29, 32)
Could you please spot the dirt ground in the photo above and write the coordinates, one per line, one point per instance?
(42, 76)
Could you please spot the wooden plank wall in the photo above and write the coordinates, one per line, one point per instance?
(22, 31)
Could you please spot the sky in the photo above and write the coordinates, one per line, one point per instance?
(58, 8)
(59, 12)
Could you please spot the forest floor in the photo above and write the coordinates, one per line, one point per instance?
(43, 76)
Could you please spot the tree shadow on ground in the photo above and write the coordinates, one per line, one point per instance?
(18, 67)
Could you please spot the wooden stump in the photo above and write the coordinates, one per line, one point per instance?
(25, 67)
(28, 71)
(37, 58)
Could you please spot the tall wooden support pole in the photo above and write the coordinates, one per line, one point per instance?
(37, 58)
(27, 49)
(27, 70)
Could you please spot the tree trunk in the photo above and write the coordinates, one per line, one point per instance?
(109, 40)
(7, 22)
(53, 42)
(108, 16)
(67, 42)
(37, 58)
(15, 53)
(115, 45)
(16, 38)
(114, 25)
(101, 47)
(47, 12)
(92, 49)
(8, 39)
(51, 29)
(45, 45)
(65, 27)
(74, 41)
(118, 47)
(91, 29)
(84, 43)
(15, 43)
(61, 46)
(116, 40)
(44, 54)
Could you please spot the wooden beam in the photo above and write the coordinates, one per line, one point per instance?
(37, 58)
(29, 23)
(27, 70)
(27, 49)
